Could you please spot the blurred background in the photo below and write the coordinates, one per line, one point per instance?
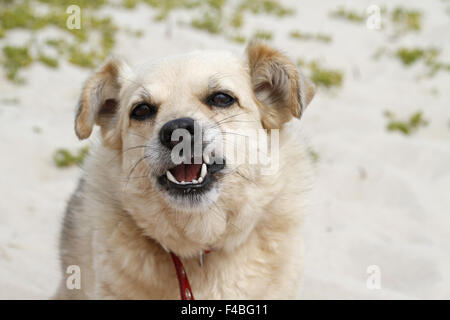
(378, 129)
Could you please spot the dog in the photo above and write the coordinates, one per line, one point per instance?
(234, 231)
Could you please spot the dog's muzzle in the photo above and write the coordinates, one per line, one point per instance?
(193, 172)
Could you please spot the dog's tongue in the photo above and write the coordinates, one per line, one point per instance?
(186, 172)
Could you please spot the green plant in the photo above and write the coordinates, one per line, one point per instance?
(263, 35)
(321, 76)
(265, 6)
(406, 20)
(310, 36)
(48, 61)
(64, 158)
(81, 47)
(313, 155)
(429, 56)
(325, 77)
(59, 44)
(237, 19)
(408, 126)
(346, 14)
(209, 22)
(78, 48)
(238, 39)
(15, 59)
(410, 56)
(130, 4)
(165, 7)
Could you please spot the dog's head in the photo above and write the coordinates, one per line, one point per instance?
(174, 125)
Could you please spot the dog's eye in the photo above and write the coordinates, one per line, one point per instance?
(143, 111)
(220, 99)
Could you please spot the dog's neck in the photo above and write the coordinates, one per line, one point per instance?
(182, 277)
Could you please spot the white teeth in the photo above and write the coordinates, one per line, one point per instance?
(171, 177)
(204, 171)
(206, 158)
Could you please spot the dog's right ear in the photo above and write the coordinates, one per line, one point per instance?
(100, 99)
(282, 91)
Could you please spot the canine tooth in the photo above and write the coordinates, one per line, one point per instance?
(200, 180)
(202, 259)
(204, 171)
(164, 247)
(206, 158)
(171, 177)
(194, 181)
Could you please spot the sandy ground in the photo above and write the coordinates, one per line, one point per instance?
(380, 198)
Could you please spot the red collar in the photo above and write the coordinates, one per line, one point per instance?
(183, 281)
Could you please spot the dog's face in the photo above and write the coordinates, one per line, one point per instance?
(182, 109)
(176, 125)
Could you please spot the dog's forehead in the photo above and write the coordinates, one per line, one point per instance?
(196, 67)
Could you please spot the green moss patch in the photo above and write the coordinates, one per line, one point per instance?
(322, 76)
(429, 57)
(348, 15)
(313, 155)
(64, 158)
(399, 19)
(407, 126)
(81, 47)
(16, 58)
(238, 38)
(210, 21)
(406, 20)
(48, 61)
(310, 36)
(265, 6)
(22, 15)
(262, 35)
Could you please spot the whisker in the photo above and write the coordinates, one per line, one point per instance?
(137, 163)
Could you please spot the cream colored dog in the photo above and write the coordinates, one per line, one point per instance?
(134, 203)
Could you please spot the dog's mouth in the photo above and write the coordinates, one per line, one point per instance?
(187, 174)
(191, 178)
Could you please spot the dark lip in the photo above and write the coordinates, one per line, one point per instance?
(188, 189)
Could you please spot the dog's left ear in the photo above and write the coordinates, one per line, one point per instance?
(100, 99)
(282, 91)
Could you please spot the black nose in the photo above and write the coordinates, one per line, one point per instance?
(165, 135)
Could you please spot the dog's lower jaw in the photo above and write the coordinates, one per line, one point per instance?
(190, 196)
(194, 203)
